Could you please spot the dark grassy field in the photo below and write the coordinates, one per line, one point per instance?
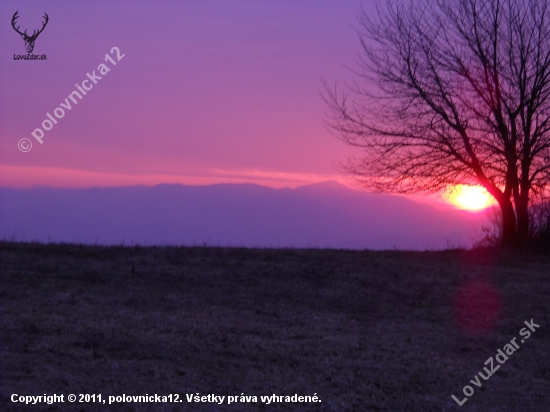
(365, 331)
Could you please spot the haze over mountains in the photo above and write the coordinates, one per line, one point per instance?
(321, 215)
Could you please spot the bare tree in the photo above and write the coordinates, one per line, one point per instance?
(452, 92)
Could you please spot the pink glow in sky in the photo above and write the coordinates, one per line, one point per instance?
(208, 91)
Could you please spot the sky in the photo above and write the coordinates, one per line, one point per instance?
(192, 92)
(207, 92)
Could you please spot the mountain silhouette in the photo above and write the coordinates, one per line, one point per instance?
(318, 216)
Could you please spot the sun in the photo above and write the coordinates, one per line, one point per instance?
(473, 198)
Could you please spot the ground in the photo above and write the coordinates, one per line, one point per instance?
(364, 331)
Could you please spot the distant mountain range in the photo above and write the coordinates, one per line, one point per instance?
(321, 215)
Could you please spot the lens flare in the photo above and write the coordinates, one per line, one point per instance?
(477, 307)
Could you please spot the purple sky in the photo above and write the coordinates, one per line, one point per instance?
(207, 92)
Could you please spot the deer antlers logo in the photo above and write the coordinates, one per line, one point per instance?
(29, 40)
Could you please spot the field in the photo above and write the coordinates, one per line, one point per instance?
(364, 331)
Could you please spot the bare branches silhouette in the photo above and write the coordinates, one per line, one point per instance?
(452, 92)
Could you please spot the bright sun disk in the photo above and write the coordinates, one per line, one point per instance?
(471, 198)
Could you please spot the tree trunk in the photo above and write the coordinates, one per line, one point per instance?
(509, 227)
(522, 211)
